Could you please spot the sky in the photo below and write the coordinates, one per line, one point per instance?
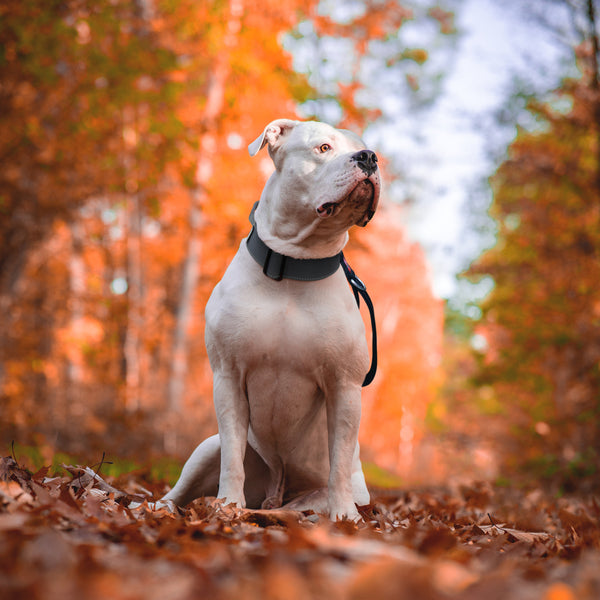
(441, 155)
(496, 42)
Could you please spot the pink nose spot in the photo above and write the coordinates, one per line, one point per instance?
(326, 210)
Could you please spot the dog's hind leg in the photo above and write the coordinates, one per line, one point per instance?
(200, 474)
(315, 500)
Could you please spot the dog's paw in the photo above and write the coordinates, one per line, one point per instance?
(271, 502)
(157, 505)
(348, 512)
(237, 501)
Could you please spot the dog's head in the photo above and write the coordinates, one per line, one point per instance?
(326, 172)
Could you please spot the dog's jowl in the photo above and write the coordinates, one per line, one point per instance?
(285, 339)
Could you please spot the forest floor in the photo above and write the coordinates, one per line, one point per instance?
(72, 535)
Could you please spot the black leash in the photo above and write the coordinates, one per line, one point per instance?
(278, 266)
(360, 289)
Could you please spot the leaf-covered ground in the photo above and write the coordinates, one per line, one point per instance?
(74, 536)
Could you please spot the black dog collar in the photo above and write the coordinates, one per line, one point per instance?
(278, 266)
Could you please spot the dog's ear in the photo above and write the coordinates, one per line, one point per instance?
(272, 135)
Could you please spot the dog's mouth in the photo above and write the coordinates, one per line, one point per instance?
(365, 190)
(362, 195)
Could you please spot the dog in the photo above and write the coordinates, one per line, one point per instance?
(289, 355)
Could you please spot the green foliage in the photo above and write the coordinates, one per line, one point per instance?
(378, 477)
(576, 473)
(34, 458)
(457, 324)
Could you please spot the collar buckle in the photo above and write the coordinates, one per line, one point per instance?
(267, 263)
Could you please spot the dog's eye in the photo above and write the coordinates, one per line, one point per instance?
(324, 148)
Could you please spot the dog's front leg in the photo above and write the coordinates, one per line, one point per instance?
(231, 407)
(343, 417)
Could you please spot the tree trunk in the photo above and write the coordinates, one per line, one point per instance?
(76, 312)
(131, 349)
(208, 144)
(595, 83)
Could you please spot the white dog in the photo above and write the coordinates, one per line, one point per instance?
(285, 339)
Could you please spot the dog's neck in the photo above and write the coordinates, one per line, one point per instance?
(304, 239)
(280, 266)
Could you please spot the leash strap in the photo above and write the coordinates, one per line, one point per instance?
(360, 289)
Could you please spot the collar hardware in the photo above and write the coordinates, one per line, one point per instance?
(282, 260)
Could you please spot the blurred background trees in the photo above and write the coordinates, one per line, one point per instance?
(542, 319)
(125, 189)
(534, 378)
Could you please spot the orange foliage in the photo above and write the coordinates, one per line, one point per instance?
(410, 328)
(126, 164)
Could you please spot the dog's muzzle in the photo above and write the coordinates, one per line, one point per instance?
(367, 162)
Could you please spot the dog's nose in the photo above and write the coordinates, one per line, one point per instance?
(366, 160)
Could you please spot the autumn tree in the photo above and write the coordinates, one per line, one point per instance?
(130, 162)
(82, 127)
(542, 319)
(127, 190)
(74, 78)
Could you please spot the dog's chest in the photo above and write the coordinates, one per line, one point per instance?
(286, 328)
(303, 326)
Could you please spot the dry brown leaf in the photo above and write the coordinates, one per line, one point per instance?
(62, 539)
